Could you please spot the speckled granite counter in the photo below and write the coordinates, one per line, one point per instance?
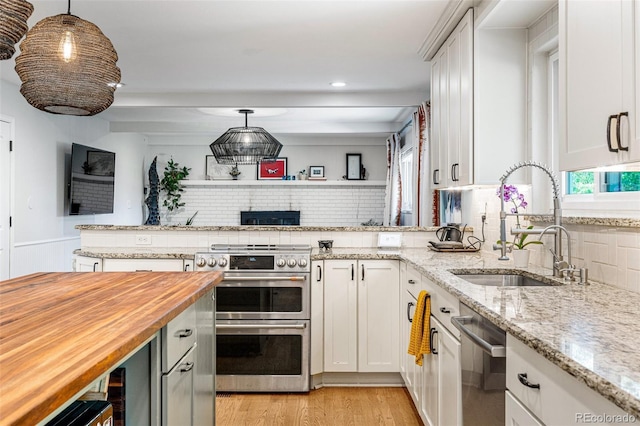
(597, 221)
(591, 331)
(258, 228)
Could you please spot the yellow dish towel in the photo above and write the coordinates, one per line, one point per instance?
(420, 328)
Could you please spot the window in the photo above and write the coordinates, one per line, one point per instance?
(406, 170)
(587, 182)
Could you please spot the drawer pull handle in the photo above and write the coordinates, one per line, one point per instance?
(185, 333)
(187, 367)
(445, 310)
(432, 334)
(412, 281)
(523, 379)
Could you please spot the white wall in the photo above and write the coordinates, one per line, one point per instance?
(43, 235)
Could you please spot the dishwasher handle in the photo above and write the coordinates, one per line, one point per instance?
(496, 351)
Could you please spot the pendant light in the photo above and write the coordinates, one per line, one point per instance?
(67, 66)
(245, 145)
(13, 25)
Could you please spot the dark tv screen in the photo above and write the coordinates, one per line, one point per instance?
(92, 180)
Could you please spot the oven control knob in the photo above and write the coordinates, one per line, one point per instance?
(222, 262)
(211, 262)
(292, 263)
(201, 262)
(302, 263)
(281, 262)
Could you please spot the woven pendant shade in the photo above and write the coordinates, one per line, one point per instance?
(80, 80)
(245, 145)
(13, 24)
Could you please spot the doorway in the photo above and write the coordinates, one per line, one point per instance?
(5, 198)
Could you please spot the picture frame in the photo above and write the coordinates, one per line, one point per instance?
(102, 163)
(215, 171)
(272, 169)
(354, 166)
(316, 172)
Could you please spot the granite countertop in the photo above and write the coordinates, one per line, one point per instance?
(588, 331)
(259, 228)
(591, 332)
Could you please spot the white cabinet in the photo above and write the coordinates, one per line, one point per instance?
(361, 322)
(317, 317)
(550, 394)
(517, 414)
(411, 284)
(598, 83)
(133, 265)
(447, 352)
(435, 387)
(87, 264)
(452, 108)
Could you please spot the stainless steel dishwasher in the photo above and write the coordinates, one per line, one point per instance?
(483, 360)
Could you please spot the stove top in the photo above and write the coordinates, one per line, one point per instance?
(255, 258)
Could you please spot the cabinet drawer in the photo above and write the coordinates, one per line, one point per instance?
(560, 399)
(178, 336)
(445, 305)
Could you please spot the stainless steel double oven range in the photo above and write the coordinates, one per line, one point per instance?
(262, 316)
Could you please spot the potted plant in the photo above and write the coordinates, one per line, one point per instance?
(171, 185)
(520, 254)
(235, 172)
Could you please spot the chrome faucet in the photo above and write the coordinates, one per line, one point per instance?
(560, 267)
(557, 214)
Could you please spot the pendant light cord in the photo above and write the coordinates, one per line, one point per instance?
(68, 7)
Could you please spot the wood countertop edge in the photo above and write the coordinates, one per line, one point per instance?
(54, 396)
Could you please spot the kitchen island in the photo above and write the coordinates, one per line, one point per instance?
(60, 332)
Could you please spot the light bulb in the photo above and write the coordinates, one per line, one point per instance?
(68, 47)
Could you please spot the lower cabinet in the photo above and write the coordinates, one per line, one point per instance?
(361, 323)
(550, 396)
(95, 264)
(435, 387)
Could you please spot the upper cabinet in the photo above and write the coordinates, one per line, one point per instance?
(452, 108)
(598, 81)
(479, 98)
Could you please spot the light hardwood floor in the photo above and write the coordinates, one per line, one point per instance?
(326, 406)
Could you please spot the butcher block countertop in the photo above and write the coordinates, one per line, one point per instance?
(59, 332)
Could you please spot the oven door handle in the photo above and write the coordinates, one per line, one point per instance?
(260, 278)
(267, 326)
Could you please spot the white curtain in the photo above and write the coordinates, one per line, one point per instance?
(393, 193)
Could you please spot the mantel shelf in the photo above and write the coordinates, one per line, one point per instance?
(240, 182)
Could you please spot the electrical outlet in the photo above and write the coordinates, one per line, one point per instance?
(143, 240)
(389, 239)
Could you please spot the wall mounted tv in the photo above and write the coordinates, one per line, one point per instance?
(92, 180)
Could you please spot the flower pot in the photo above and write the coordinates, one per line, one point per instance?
(521, 258)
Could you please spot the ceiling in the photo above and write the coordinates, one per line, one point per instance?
(278, 57)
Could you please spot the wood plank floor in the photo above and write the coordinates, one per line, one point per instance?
(325, 406)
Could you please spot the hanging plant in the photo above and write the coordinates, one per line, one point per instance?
(171, 185)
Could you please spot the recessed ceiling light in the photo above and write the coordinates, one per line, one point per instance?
(338, 84)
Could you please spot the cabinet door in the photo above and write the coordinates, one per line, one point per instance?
(177, 394)
(132, 265)
(378, 320)
(438, 119)
(317, 316)
(87, 264)
(449, 377)
(517, 414)
(596, 81)
(429, 402)
(340, 316)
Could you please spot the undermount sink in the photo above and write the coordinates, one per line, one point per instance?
(502, 280)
